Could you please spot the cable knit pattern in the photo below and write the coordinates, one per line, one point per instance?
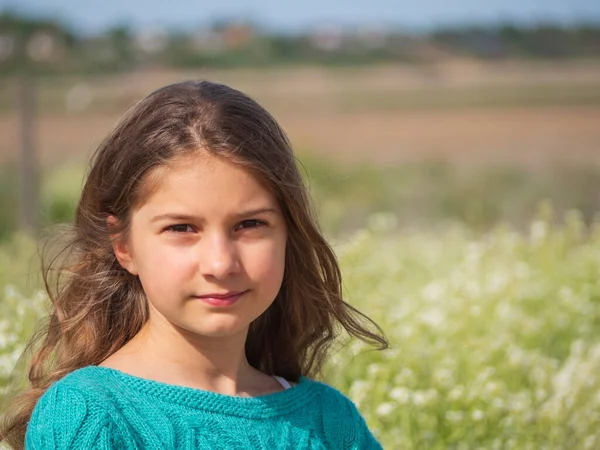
(101, 408)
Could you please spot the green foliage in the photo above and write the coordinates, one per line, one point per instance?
(494, 338)
(543, 40)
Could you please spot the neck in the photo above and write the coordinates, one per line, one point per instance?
(168, 354)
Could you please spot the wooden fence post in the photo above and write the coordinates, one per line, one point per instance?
(28, 166)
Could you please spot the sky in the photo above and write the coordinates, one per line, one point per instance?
(91, 16)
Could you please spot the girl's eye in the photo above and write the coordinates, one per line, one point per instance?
(181, 228)
(186, 228)
(252, 223)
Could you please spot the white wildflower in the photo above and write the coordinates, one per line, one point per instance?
(7, 364)
(498, 403)
(444, 377)
(433, 318)
(433, 292)
(456, 393)
(11, 292)
(454, 416)
(591, 442)
(401, 395)
(497, 282)
(374, 369)
(477, 415)
(385, 409)
(425, 397)
(359, 391)
(491, 388)
(406, 376)
(538, 231)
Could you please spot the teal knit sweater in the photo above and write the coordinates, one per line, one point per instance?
(100, 408)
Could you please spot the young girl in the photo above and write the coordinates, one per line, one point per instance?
(197, 296)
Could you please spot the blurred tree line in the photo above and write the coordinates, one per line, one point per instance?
(52, 47)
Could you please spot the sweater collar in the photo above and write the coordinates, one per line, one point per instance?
(270, 405)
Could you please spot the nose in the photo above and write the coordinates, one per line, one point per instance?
(218, 257)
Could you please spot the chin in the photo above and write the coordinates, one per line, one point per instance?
(219, 330)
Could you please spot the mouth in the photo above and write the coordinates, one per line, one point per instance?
(225, 299)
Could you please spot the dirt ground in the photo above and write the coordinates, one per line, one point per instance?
(520, 135)
(307, 104)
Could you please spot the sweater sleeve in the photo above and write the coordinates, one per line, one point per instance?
(357, 434)
(64, 418)
(345, 427)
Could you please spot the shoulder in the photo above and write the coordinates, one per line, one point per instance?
(343, 424)
(87, 385)
(70, 414)
(334, 400)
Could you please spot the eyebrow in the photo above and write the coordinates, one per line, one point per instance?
(189, 217)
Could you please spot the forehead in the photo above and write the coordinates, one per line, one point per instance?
(205, 181)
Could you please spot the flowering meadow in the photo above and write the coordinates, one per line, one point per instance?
(495, 337)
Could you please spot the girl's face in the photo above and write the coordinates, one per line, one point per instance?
(208, 228)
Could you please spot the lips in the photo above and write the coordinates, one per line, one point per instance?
(221, 299)
(224, 295)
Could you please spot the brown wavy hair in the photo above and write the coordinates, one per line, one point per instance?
(97, 306)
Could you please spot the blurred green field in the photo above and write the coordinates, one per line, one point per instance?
(494, 337)
(106, 96)
(424, 193)
(476, 97)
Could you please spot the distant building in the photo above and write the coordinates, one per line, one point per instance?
(207, 41)
(237, 35)
(231, 36)
(152, 40)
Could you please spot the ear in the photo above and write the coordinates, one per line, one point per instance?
(120, 246)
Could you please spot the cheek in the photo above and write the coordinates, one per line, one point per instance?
(160, 263)
(266, 263)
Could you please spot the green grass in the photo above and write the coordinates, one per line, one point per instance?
(59, 193)
(345, 195)
(8, 201)
(493, 97)
(434, 192)
(352, 92)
